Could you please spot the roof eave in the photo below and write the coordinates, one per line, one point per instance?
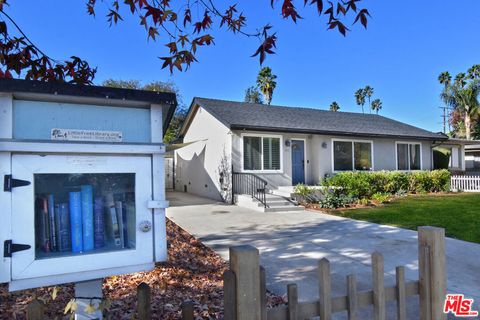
(334, 133)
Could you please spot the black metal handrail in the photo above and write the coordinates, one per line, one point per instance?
(251, 184)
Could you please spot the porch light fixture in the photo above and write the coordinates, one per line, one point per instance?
(324, 145)
(287, 143)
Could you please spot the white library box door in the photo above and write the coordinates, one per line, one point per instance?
(80, 213)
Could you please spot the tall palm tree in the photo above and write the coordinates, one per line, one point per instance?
(334, 106)
(360, 98)
(266, 83)
(463, 95)
(376, 105)
(369, 93)
(474, 72)
(445, 78)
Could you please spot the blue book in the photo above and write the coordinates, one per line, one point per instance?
(98, 223)
(51, 220)
(75, 200)
(63, 227)
(87, 217)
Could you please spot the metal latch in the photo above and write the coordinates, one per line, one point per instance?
(9, 247)
(9, 183)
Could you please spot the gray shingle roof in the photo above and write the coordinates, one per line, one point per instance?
(249, 116)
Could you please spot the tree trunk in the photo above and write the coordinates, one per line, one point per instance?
(467, 126)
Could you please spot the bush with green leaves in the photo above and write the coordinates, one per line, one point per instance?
(361, 184)
(334, 199)
(304, 194)
(381, 197)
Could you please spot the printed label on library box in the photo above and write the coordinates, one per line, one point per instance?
(86, 135)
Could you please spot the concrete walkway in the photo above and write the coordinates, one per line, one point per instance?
(291, 244)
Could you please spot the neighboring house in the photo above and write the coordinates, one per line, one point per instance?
(286, 146)
(472, 158)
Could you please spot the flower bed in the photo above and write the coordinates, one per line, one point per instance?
(360, 189)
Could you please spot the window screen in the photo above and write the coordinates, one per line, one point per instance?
(402, 157)
(408, 156)
(271, 153)
(342, 155)
(251, 153)
(414, 157)
(363, 155)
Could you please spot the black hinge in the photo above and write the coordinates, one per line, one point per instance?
(9, 183)
(9, 247)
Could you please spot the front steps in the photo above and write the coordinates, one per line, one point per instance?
(283, 191)
(275, 203)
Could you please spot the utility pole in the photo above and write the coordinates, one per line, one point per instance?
(445, 118)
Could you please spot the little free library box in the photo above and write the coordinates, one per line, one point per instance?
(83, 189)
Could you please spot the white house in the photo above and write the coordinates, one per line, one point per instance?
(278, 146)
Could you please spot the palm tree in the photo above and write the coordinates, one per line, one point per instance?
(474, 72)
(463, 95)
(369, 93)
(252, 95)
(266, 83)
(376, 105)
(360, 98)
(445, 78)
(334, 106)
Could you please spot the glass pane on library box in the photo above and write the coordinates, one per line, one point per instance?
(77, 214)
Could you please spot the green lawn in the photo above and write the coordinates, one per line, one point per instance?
(459, 214)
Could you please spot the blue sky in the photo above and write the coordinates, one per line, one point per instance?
(407, 44)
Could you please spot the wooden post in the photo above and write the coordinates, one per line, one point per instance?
(352, 297)
(187, 310)
(401, 294)
(292, 293)
(143, 302)
(325, 289)
(245, 263)
(263, 293)
(229, 292)
(35, 310)
(432, 273)
(379, 311)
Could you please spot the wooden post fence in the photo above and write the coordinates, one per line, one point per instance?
(143, 302)
(432, 273)
(245, 290)
(35, 310)
(244, 287)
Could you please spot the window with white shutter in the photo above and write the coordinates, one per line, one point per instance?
(262, 153)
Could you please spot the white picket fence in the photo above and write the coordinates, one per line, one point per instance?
(465, 183)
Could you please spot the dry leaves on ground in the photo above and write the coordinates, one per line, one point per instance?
(193, 272)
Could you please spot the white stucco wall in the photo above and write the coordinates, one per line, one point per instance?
(285, 177)
(199, 165)
(319, 159)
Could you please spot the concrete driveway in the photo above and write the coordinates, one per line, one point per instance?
(291, 244)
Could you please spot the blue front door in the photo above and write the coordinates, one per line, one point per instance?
(298, 162)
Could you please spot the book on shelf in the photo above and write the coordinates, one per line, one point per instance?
(51, 222)
(130, 214)
(43, 222)
(121, 222)
(112, 223)
(63, 227)
(75, 204)
(98, 223)
(87, 216)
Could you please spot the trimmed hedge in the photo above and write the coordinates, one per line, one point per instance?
(360, 184)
